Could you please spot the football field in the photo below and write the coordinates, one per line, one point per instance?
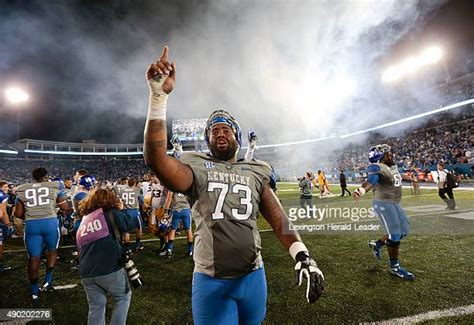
(359, 288)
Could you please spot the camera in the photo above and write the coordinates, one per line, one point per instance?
(132, 272)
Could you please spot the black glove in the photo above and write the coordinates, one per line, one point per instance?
(307, 268)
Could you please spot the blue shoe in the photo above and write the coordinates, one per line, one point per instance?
(376, 250)
(402, 273)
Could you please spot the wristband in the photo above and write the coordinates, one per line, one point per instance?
(296, 248)
(158, 98)
(157, 106)
(361, 190)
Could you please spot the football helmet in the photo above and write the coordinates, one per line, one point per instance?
(377, 152)
(163, 225)
(7, 231)
(222, 116)
(88, 182)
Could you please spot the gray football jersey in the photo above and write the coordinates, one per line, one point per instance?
(39, 199)
(179, 202)
(227, 198)
(158, 195)
(129, 196)
(389, 187)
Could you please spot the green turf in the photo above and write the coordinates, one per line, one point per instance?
(358, 287)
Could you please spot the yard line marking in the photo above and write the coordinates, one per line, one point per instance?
(66, 286)
(435, 314)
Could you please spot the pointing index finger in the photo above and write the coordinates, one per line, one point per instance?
(164, 55)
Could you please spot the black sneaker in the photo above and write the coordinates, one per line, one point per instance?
(4, 268)
(139, 248)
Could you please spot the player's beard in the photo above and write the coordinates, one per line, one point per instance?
(225, 155)
(389, 162)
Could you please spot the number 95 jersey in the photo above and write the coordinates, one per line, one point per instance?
(39, 199)
(389, 186)
(227, 241)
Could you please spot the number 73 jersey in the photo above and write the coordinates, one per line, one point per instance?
(389, 187)
(39, 199)
(227, 241)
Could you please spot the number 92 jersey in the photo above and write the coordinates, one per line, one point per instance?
(227, 241)
(39, 199)
(389, 186)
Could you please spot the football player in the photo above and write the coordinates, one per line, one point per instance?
(6, 228)
(385, 182)
(158, 199)
(180, 212)
(68, 218)
(229, 284)
(132, 198)
(77, 176)
(36, 204)
(177, 147)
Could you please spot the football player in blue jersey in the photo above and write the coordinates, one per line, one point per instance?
(229, 284)
(131, 197)
(6, 228)
(385, 182)
(36, 204)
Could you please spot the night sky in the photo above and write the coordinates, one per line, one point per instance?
(275, 65)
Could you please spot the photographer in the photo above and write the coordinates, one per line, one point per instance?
(102, 256)
(306, 197)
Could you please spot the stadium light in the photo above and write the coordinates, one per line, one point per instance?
(412, 64)
(391, 74)
(16, 95)
(432, 55)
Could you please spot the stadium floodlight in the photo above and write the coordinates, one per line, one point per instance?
(16, 95)
(431, 55)
(391, 74)
(410, 65)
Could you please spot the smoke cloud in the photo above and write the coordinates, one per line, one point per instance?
(289, 70)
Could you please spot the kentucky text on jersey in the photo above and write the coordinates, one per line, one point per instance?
(228, 178)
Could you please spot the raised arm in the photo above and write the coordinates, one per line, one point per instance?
(161, 77)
